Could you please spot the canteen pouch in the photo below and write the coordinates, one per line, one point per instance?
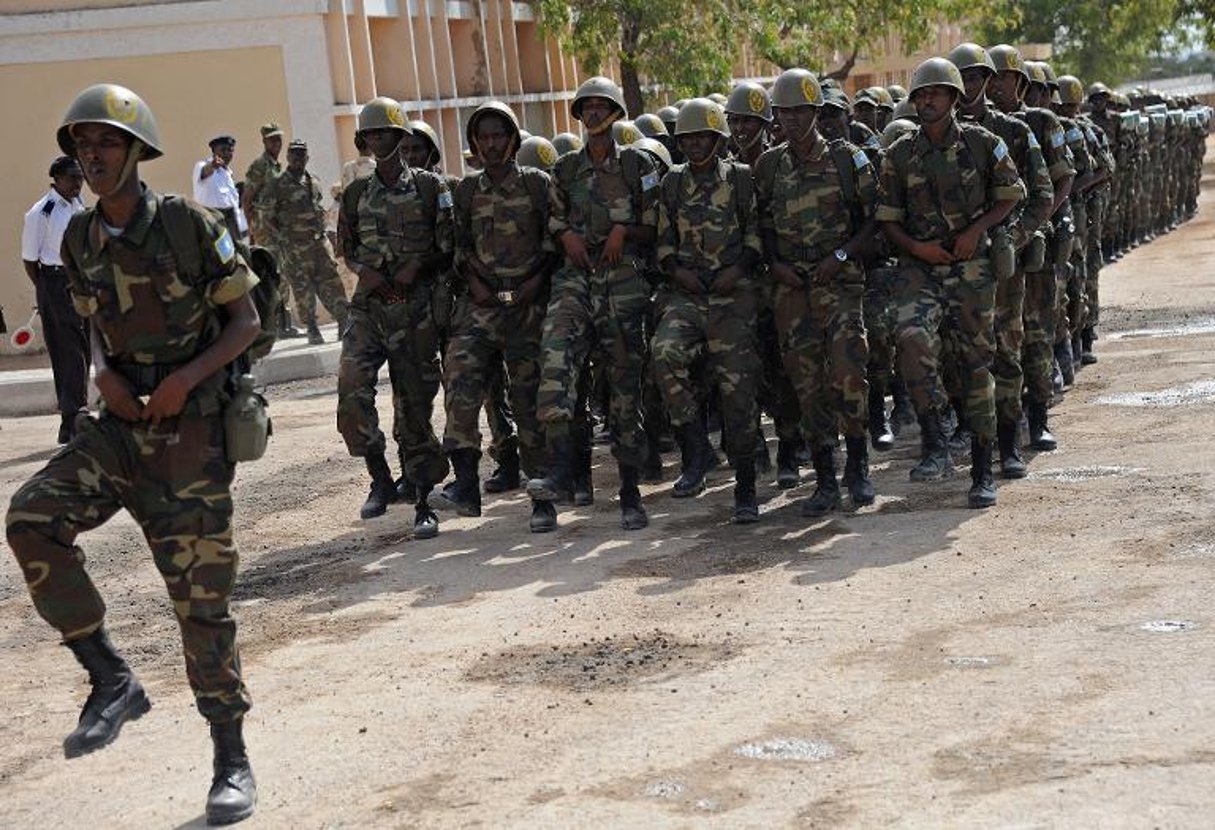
(247, 426)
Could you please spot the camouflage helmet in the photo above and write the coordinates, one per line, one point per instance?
(717, 98)
(656, 149)
(537, 151)
(897, 92)
(701, 115)
(1037, 75)
(937, 72)
(906, 111)
(650, 125)
(1007, 59)
(668, 114)
(118, 107)
(749, 98)
(382, 113)
(625, 132)
(567, 143)
(597, 87)
(1097, 89)
(427, 132)
(970, 55)
(796, 88)
(895, 130)
(1071, 91)
(491, 107)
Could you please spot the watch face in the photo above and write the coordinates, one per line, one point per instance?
(841, 255)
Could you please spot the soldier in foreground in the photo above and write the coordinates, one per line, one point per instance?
(168, 299)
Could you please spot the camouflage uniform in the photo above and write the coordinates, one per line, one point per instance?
(1069, 301)
(384, 227)
(173, 478)
(262, 170)
(704, 227)
(292, 211)
(505, 232)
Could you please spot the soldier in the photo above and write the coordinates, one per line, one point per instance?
(604, 214)
(1045, 256)
(292, 210)
(943, 189)
(394, 231)
(262, 170)
(504, 256)
(874, 108)
(708, 247)
(816, 218)
(168, 298)
(1009, 242)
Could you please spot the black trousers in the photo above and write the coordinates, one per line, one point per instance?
(66, 337)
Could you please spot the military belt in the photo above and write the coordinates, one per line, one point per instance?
(144, 377)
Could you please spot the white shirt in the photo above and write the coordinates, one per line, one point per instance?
(218, 191)
(45, 224)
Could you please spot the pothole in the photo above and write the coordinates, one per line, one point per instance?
(1180, 330)
(788, 749)
(600, 662)
(1200, 392)
(1083, 473)
(1166, 626)
(971, 662)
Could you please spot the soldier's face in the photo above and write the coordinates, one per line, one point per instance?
(933, 103)
(699, 147)
(974, 79)
(833, 123)
(297, 160)
(102, 153)
(797, 123)
(68, 185)
(1038, 95)
(416, 152)
(884, 117)
(495, 139)
(867, 114)
(1099, 103)
(1004, 89)
(745, 129)
(594, 110)
(273, 145)
(382, 141)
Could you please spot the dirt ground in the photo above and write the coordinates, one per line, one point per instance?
(1046, 663)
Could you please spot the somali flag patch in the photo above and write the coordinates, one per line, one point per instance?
(225, 247)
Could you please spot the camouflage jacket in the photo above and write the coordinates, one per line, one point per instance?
(1052, 138)
(1031, 164)
(262, 170)
(383, 226)
(293, 207)
(935, 192)
(503, 227)
(705, 222)
(808, 209)
(591, 199)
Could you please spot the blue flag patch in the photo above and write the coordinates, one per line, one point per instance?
(225, 247)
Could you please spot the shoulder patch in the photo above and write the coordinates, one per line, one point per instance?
(649, 181)
(225, 247)
(859, 159)
(1033, 141)
(1001, 150)
(1074, 134)
(444, 199)
(1057, 138)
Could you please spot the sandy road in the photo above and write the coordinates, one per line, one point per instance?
(1050, 662)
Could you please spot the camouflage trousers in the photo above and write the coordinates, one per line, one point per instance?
(718, 334)
(1038, 316)
(1095, 259)
(1010, 337)
(600, 316)
(826, 353)
(175, 481)
(311, 270)
(402, 335)
(1069, 291)
(776, 393)
(880, 326)
(956, 302)
(482, 341)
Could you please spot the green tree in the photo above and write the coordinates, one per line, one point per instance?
(1092, 39)
(686, 46)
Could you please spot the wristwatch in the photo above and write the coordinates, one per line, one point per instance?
(841, 254)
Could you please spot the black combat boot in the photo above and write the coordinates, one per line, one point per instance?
(544, 517)
(826, 496)
(746, 509)
(1087, 356)
(558, 484)
(880, 433)
(1077, 352)
(903, 413)
(934, 461)
(856, 472)
(505, 476)
(787, 473)
(462, 496)
(632, 513)
(1040, 437)
(584, 481)
(233, 794)
(407, 491)
(959, 440)
(982, 491)
(652, 472)
(115, 699)
(315, 338)
(1012, 465)
(383, 488)
(425, 520)
(694, 448)
(286, 329)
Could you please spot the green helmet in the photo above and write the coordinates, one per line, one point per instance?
(650, 125)
(837, 98)
(884, 100)
(668, 114)
(656, 149)
(897, 93)
(567, 143)
(382, 113)
(537, 151)
(1049, 72)
(428, 132)
(937, 72)
(1071, 91)
(1007, 59)
(625, 132)
(1097, 89)
(895, 130)
(120, 108)
(679, 104)
(1037, 75)
(701, 115)
(796, 88)
(496, 108)
(970, 55)
(597, 87)
(717, 98)
(749, 98)
(906, 111)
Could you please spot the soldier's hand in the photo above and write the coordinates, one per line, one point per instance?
(167, 399)
(575, 249)
(827, 270)
(784, 273)
(686, 279)
(480, 293)
(406, 274)
(933, 253)
(528, 292)
(967, 243)
(726, 280)
(117, 394)
(613, 249)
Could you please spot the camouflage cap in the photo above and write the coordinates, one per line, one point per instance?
(297, 144)
(270, 130)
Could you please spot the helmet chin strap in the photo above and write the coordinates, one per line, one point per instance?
(808, 132)
(606, 124)
(709, 159)
(967, 102)
(758, 137)
(396, 148)
(128, 167)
